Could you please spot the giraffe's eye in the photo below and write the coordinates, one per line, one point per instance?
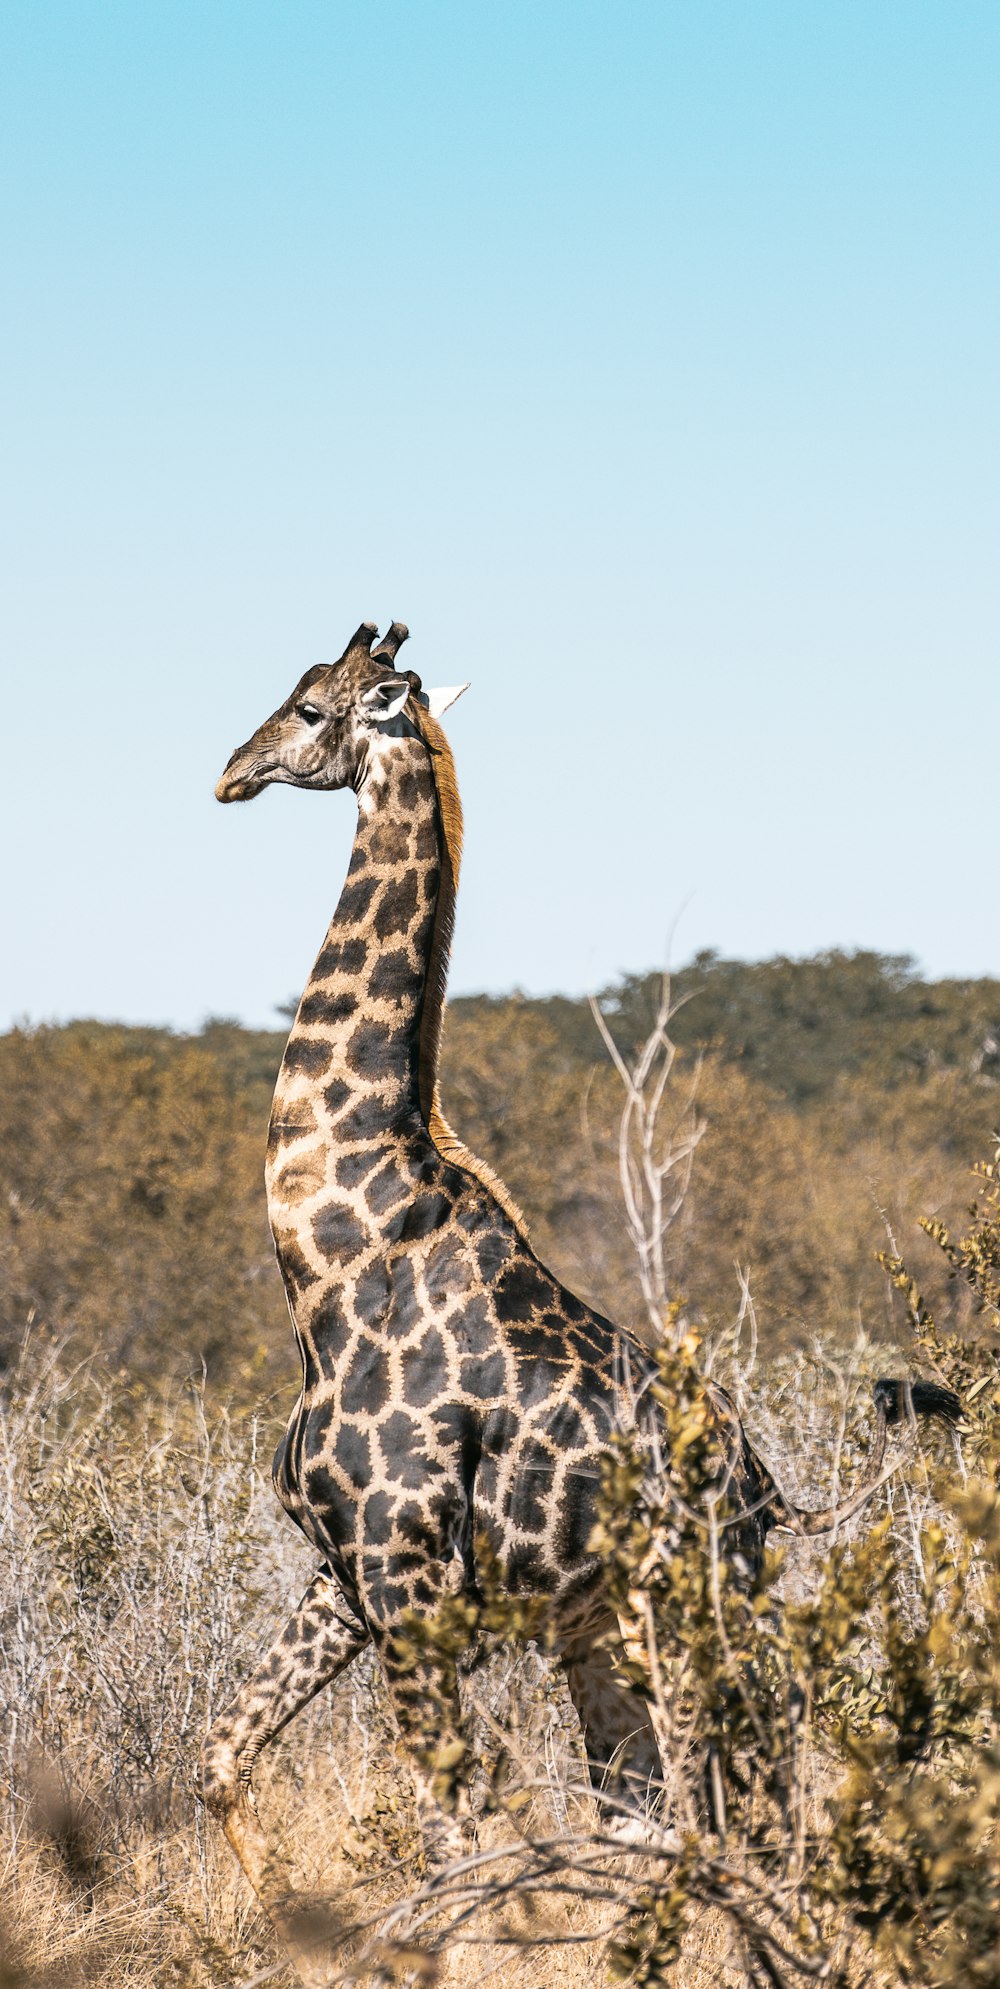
(309, 713)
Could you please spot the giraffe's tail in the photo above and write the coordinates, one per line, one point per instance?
(895, 1402)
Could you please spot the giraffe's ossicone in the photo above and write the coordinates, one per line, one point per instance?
(455, 1397)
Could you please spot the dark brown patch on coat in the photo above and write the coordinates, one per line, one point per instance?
(366, 1385)
(394, 978)
(338, 1233)
(304, 1055)
(398, 905)
(352, 1452)
(342, 956)
(372, 1293)
(492, 1253)
(401, 1441)
(355, 899)
(377, 1051)
(352, 1167)
(336, 1095)
(521, 1292)
(387, 1189)
(425, 1371)
(427, 840)
(328, 1008)
(425, 1213)
(485, 1378)
(390, 841)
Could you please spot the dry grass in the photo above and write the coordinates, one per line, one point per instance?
(143, 1568)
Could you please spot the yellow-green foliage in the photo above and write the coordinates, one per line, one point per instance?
(858, 1730)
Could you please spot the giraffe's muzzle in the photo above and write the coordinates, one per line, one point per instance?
(243, 778)
(230, 789)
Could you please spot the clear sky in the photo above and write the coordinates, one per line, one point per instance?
(644, 359)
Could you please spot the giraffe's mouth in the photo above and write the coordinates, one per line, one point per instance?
(237, 786)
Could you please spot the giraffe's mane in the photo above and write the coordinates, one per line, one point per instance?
(447, 1142)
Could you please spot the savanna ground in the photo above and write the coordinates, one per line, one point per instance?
(848, 1709)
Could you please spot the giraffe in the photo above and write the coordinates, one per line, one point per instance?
(455, 1398)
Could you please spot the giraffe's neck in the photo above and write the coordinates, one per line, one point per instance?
(348, 1108)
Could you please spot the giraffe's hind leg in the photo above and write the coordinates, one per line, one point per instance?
(623, 1759)
(319, 1640)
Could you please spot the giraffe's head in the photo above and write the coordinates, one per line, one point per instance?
(324, 733)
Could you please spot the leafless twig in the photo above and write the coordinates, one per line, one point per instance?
(654, 1158)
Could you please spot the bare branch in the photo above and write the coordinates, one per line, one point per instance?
(655, 1160)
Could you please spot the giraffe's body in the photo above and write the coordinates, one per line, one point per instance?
(453, 1392)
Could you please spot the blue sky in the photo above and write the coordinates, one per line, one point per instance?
(644, 360)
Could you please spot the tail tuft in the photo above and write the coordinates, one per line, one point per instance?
(899, 1400)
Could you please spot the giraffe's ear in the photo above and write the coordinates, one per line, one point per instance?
(385, 700)
(438, 701)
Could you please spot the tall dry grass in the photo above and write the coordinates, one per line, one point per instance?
(143, 1569)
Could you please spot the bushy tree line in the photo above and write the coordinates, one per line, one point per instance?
(132, 1217)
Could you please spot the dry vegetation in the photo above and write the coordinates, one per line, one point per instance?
(849, 1705)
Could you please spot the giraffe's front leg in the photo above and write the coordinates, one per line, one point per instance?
(319, 1640)
(421, 1678)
